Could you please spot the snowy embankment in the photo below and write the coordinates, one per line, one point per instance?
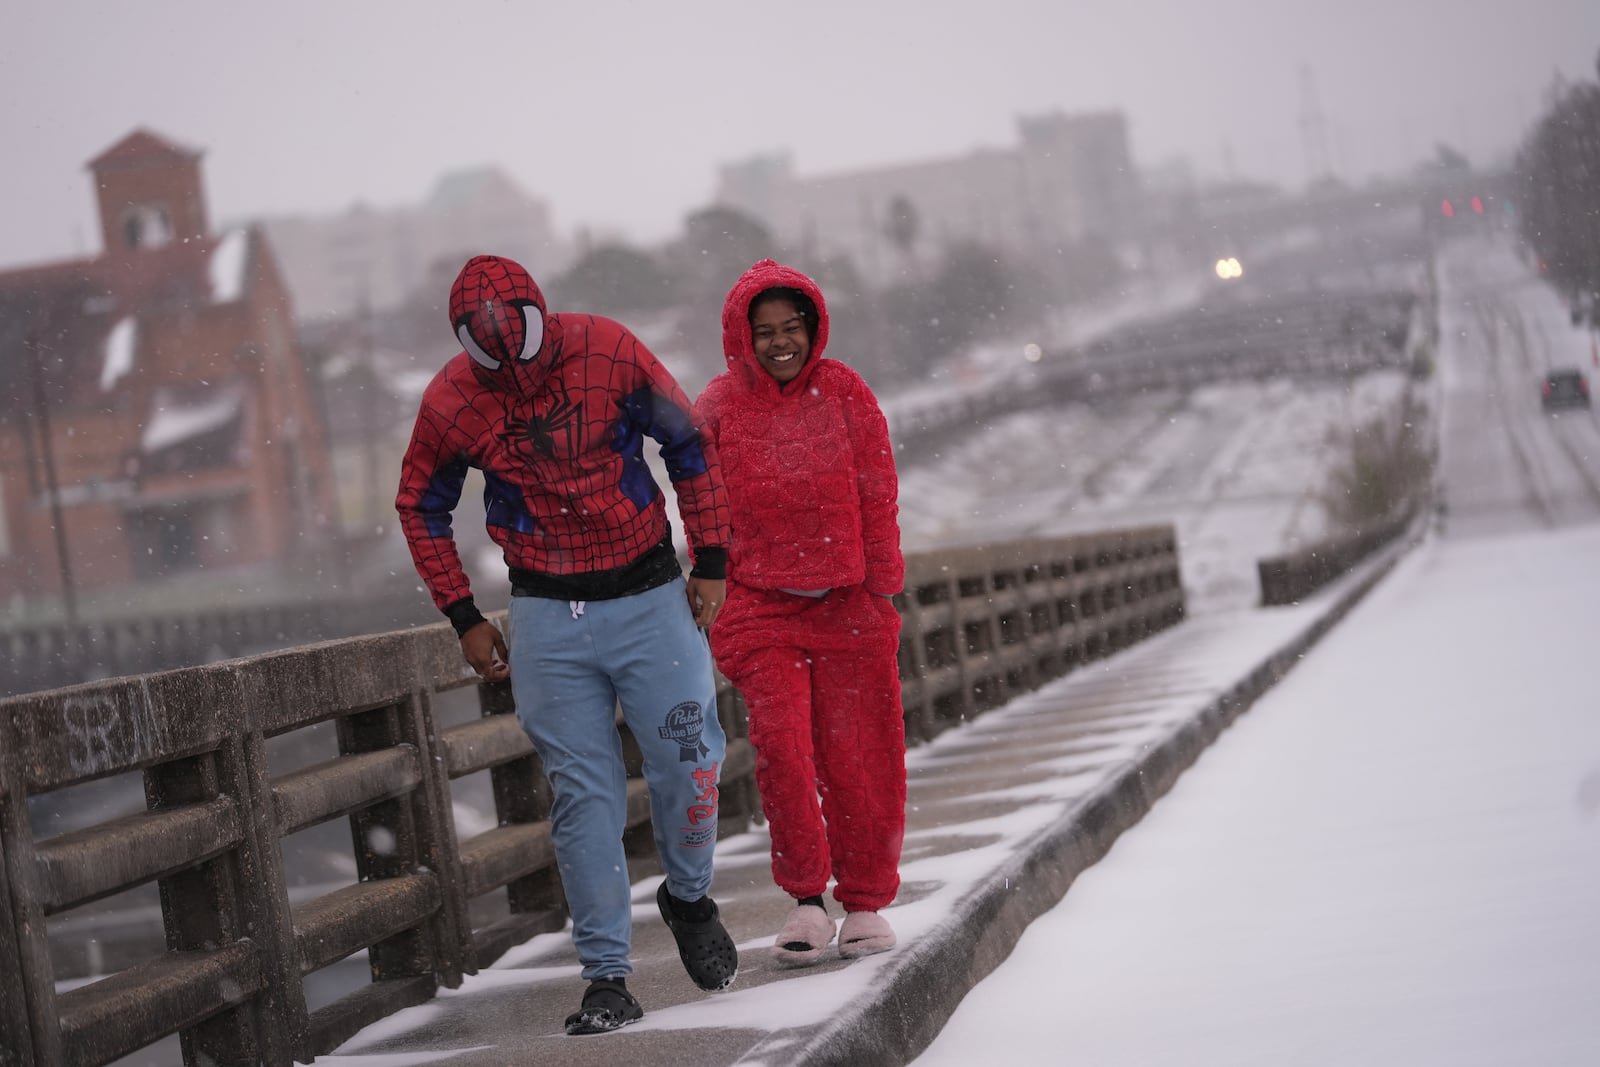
(1237, 468)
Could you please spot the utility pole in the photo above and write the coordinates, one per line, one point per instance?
(1313, 129)
(41, 407)
(373, 501)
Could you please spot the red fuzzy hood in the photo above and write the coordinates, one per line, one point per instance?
(737, 346)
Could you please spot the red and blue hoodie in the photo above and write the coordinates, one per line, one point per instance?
(554, 410)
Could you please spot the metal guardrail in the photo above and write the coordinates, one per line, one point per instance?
(981, 624)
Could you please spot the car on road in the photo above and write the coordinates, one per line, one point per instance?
(1564, 389)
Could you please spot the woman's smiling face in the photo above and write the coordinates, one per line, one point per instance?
(782, 341)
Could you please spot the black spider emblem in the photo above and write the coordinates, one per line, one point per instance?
(539, 432)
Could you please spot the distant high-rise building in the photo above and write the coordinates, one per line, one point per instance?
(1083, 161)
(1071, 176)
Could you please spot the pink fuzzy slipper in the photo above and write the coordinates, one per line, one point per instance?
(863, 933)
(806, 932)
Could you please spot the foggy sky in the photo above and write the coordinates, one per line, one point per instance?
(618, 113)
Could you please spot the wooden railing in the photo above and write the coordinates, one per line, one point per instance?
(980, 625)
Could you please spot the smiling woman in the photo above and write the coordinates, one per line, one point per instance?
(782, 321)
(810, 634)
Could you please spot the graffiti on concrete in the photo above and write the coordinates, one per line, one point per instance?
(104, 733)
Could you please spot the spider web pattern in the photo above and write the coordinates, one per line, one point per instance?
(567, 491)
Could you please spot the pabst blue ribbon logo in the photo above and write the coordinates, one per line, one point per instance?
(685, 724)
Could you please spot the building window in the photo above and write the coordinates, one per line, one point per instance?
(147, 226)
(164, 542)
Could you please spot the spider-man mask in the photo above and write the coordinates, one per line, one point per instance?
(498, 315)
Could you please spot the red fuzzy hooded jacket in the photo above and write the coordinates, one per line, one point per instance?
(808, 466)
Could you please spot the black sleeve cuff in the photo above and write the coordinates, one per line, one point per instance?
(464, 615)
(710, 562)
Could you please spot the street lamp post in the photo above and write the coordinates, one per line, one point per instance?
(69, 594)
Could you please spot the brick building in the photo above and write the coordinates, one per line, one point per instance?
(155, 396)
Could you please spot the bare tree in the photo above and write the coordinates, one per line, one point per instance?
(1558, 173)
(902, 226)
(614, 279)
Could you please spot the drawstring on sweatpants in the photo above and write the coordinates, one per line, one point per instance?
(576, 606)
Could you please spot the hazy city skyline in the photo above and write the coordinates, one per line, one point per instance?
(618, 114)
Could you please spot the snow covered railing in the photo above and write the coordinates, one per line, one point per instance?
(212, 833)
(209, 743)
(986, 623)
(1290, 578)
(49, 655)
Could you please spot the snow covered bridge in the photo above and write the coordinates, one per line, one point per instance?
(1089, 725)
(236, 759)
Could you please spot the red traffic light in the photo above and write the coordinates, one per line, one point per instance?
(1447, 209)
(1477, 205)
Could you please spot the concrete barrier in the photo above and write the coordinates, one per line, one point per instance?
(1290, 578)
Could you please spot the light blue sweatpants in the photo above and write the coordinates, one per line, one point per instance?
(572, 662)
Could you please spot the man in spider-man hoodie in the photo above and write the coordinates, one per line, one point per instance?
(554, 409)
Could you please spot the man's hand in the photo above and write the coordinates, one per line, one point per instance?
(705, 600)
(485, 652)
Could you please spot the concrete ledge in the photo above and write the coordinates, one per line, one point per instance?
(931, 977)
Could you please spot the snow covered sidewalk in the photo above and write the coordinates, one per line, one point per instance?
(1004, 813)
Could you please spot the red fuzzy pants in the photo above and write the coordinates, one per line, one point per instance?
(822, 686)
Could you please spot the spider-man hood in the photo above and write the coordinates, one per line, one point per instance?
(502, 321)
(738, 348)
